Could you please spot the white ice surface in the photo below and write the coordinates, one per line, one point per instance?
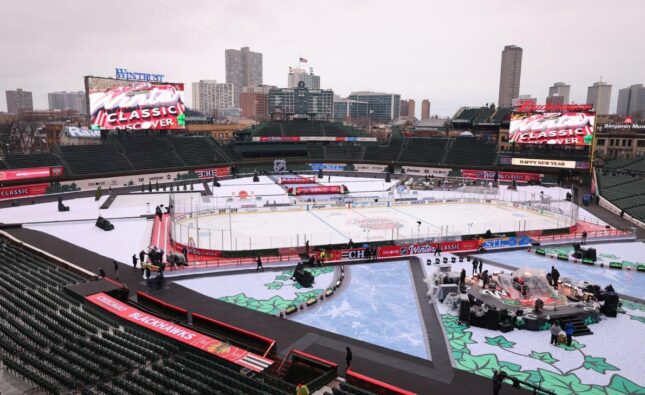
(284, 229)
(82, 208)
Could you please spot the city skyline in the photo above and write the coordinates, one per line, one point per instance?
(193, 46)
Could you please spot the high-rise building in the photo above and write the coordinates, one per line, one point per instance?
(68, 101)
(383, 107)
(408, 108)
(254, 102)
(226, 96)
(562, 90)
(510, 73)
(205, 96)
(599, 96)
(296, 75)
(18, 101)
(350, 110)
(425, 109)
(631, 101)
(243, 68)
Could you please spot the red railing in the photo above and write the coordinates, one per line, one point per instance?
(374, 385)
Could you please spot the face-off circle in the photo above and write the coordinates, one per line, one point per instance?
(377, 223)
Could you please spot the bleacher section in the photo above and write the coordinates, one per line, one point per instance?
(501, 116)
(345, 152)
(19, 161)
(268, 150)
(93, 159)
(388, 153)
(422, 150)
(195, 151)
(468, 151)
(64, 345)
(624, 191)
(305, 128)
(148, 152)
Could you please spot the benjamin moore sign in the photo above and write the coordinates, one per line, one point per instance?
(124, 74)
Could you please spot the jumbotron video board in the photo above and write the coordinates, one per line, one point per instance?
(117, 104)
(556, 128)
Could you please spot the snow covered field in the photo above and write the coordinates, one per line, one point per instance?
(128, 237)
(322, 226)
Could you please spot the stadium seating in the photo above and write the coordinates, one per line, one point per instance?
(148, 152)
(195, 150)
(18, 161)
(383, 153)
(622, 183)
(344, 152)
(468, 151)
(424, 150)
(93, 159)
(61, 344)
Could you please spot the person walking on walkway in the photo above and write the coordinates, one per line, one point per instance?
(498, 379)
(481, 265)
(258, 262)
(142, 257)
(474, 266)
(134, 261)
(555, 332)
(462, 277)
(101, 273)
(584, 237)
(116, 268)
(348, 357)
(568, 329)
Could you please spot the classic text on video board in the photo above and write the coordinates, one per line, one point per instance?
(135, 105)
(559, 128)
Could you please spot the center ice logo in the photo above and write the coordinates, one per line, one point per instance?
(375, 223)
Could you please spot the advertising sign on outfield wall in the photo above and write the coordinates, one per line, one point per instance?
(427, 248)
(23, 191)
(502, 175)
(31, 173)
(426, 171)
(370, 168)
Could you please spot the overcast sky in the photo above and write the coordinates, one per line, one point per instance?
(447, 51)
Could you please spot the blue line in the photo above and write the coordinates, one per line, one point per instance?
(326, 223)
(411, 216)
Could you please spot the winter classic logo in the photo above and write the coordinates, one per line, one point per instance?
(375, 223)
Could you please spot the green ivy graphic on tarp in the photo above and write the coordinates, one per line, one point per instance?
(552, 377)
(276, 304)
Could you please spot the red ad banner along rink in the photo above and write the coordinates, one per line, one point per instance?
(23, 191)
(180, 333)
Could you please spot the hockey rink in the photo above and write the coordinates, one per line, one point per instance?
(276, 229)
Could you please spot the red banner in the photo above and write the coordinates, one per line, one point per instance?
(181, 333)
(213, 172)
(502, 175)
(22, 191)
(427, 248)
(320, 190)
(34, 172)
(297, 180)
(197, 251)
